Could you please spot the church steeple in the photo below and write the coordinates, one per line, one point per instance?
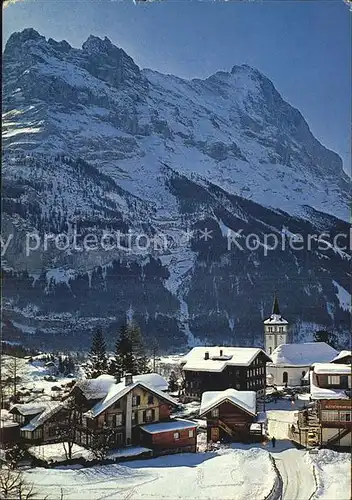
(275, 328)
(276, 309)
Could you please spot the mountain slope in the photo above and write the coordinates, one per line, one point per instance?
(94, 145)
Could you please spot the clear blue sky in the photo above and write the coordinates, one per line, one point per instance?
(303, 46)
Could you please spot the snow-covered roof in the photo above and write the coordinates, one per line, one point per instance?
(332, 369)
(153, 380)
(117, 391)
(304, 354)
(242, 399)
(8, 423)
(341, 355)
(96, 388)
(170, 425)
(229, 356)
(49, 411)
(317, 392)
(29, 408)
(275, 319)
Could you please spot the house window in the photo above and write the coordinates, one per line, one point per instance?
(52, 431)
(191, 433)
(285, 377)
(215, 413)
(270, 350)
(345, 416)
(329, 416)
(150, 400)
(281, 329)
(117, 420)
(333, 380)
(136, 400)
(148, 415)
(134, 417)
(238, 386)
(176, 436)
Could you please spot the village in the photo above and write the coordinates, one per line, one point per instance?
(292, 395)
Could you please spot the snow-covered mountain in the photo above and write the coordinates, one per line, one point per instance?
(94, 144)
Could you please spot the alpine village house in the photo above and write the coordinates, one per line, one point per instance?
(128, 413)
(329, 421)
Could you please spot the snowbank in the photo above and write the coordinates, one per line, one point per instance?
(333, 474)
(227, 474)
(56, 452)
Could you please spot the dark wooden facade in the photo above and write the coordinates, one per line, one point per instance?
(9, 433)
(242, 378)
(176, 441)
(228, 422)
(333, 381)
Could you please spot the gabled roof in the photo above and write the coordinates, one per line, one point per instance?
(154, 380)
(96, 388)
(50, 410)
(246, 400)
(304, 354)
(229, 356)
(29, 408)
(341, 356)
(117, 391)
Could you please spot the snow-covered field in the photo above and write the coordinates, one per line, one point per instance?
(226, 474)
(56, 452)
(32, 378)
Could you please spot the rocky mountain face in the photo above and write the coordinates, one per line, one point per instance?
(166, 179)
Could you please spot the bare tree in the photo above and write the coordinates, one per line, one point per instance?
(12, 372)
(13, 486)
(100, 444)
(66, 427)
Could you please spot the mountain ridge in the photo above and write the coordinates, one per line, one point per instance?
(92, 140)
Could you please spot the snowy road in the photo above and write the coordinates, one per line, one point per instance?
(297, 475)
(296, 472)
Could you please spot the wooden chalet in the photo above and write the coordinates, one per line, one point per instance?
(38, 421)
(220, 368)
(231, 415)
(122, 416)
(328, 422)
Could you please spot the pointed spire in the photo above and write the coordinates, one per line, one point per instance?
(276, 309)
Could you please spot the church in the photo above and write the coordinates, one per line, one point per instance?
(290, 362)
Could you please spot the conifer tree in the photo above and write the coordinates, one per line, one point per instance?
(173, 382)
(123, 354)
(140, 361)
(97, 355)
